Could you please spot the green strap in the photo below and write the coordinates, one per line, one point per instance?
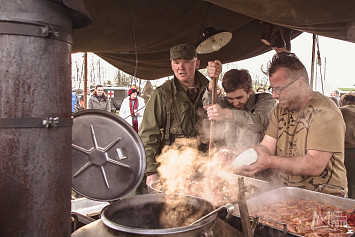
(168, 98)
(169, 103)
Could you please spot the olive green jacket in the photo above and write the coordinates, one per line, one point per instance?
(153, 128)
(249, 125)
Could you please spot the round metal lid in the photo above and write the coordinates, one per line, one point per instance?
(108, 157)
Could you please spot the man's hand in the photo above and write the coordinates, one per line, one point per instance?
(217, 113)
(214, 68)
(262, 163)
(223, 158)
(151, 179)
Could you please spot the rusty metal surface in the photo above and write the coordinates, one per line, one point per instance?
(27, 29)
(44, 122)
(35, 163)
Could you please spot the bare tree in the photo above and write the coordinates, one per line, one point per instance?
(122, 78)
(92, 73)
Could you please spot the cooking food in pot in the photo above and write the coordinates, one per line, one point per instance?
(217, 191)
(309, 218)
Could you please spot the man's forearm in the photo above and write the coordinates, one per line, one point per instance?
(306, 165)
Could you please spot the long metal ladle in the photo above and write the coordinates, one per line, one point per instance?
(229, 207)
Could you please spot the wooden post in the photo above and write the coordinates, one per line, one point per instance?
(214, 92)
(243, 208)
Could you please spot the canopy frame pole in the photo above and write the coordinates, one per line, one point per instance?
(313, 60)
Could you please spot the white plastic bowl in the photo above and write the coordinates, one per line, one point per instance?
(247, 157)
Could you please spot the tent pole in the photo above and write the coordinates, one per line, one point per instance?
(85, 80)
(313, 59)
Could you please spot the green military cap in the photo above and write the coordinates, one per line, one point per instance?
(184, 51)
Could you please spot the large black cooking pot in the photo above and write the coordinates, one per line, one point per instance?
(108, 161)
(153, 215)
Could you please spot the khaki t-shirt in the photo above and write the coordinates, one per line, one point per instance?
(319, 126)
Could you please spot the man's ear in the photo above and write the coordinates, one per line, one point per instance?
(250, 91)
(303, 83)
(197, 64)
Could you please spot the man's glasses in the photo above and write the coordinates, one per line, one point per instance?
(278, 90)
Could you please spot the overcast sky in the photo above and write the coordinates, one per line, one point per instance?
(337, 57)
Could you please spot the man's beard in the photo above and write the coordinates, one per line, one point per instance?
(240, 106)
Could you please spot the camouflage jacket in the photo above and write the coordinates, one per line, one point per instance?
(156, 131)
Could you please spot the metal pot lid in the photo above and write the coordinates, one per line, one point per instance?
(108, 157)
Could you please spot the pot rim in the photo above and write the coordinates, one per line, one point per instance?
(133, 230)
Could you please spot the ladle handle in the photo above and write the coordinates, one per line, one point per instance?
(208, 215)
(229, 207)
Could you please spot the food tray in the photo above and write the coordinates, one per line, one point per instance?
(287, 193)
(247, 180)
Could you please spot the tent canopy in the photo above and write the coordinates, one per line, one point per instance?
(136, 35)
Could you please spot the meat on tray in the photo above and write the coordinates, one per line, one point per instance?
(309, 218)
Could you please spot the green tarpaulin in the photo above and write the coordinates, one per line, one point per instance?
(135, 35)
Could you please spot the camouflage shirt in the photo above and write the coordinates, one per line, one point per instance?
(154, 126)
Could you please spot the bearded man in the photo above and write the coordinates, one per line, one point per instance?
(242, 115)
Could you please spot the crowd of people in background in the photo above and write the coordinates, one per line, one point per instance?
(131, 109)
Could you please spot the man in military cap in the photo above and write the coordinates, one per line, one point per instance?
(171, 111)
